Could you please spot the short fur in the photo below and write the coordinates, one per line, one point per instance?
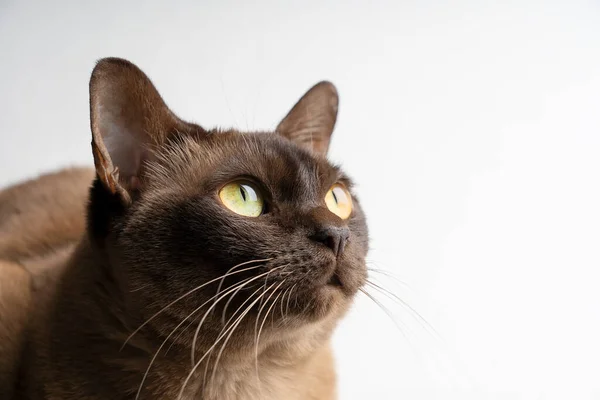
(88, 307)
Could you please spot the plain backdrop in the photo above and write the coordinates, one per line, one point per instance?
(471, 127)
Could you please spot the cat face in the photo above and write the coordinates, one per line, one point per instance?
(223, 223)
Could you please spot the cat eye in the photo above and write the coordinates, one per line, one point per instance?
(339, 201)
(242, 198)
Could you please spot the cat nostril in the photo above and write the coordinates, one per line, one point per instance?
(333, 243)
(333, 237)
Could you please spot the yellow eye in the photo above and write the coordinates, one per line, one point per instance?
(242, 198)
(339, 201)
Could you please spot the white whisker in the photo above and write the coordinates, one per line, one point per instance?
(184, 296)
(392, 296)
(173, 331)
(195, 367)
(211, 308)
(387, 312)
(231, 333)
(256, 342)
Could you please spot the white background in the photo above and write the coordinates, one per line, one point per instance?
(472, 129)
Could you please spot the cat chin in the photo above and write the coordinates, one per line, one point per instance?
(324, 302)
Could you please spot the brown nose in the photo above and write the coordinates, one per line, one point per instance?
(334, 237)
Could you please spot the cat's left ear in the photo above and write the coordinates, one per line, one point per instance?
(311, 121)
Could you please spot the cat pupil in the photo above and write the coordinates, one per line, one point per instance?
(243, 192)
(335, 197)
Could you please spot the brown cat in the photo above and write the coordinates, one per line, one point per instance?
(211, 265)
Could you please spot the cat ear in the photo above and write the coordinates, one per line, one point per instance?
(129, 120)
(310, 122)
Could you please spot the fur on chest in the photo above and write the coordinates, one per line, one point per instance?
(312, 378)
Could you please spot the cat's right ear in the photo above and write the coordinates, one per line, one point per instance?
(129, 121)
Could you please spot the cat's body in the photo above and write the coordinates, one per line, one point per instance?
(41, 222)
(108, 306)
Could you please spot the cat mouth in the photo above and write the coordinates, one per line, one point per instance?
(335, 280)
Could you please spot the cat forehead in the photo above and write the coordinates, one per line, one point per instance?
(266, 156)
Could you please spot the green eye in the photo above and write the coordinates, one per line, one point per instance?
(242, 198)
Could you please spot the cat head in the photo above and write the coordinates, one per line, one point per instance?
(221, 220)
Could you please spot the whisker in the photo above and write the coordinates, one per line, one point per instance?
(387, 312)
(226, 324)
(285, 266)
(233, 295)
(281, 303)
(212, 307)
(260, 310)
(225, 276)
(392, 296)
(259, 331)
(173, 331)
(195, 367)
(265, 318)
(287, 307)
(231, 333)
(185, 295)
(388, 274)
(140, 288)
(182, 331)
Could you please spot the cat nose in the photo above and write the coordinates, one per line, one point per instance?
(334, 237)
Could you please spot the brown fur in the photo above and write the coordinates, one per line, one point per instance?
(86, 305)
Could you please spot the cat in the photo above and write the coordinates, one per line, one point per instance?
(188, 264)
